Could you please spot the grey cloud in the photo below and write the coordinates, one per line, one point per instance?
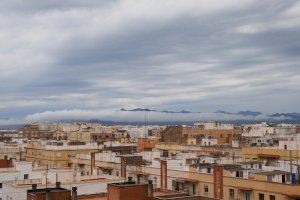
(195, 55)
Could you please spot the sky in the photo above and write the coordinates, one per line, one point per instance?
(77, 59)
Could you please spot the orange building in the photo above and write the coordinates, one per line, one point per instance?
(145, 144)
(222, 135)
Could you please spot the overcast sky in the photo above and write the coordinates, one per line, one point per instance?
(64, 59)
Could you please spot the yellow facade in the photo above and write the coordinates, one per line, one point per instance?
(253, 153)
(84, 136)
(53, 158)
(191, 141)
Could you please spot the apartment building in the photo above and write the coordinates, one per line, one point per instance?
(56, 153)
(213, 181)
(7, 135)
(196, 136)
(11, 151)
(256, 153)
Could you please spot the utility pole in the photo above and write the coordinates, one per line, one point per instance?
(47, 176)
(291, 164)
(145, 124)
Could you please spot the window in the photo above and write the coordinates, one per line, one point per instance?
(272, 197)
(283, 178)
(25, 176)
(231, 193)
(261, 196)
(175, 185)
(242, 174)
(205, 188)
(194, 188)
(0, 185)
(247, 196)
(239, 174)
(209, 170)
(269, 178)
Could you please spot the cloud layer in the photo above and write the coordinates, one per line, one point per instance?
(84, 58)
(130, 116)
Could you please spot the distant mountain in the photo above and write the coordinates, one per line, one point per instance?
(286, 117)
(294, 115)
(167, 111)
(223, 112)
(138, 110)
(185, 111)
(149, 110)
(243, 113)
(11, 127)
(249, 113)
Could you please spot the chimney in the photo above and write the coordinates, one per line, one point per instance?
(163, 174)
(34, 186)
(74, 193)
(93, 161)
(57, 185)
(218, 181)
(48, 194)
(150, 189)
(123, 167)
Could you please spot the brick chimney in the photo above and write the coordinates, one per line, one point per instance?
(163, 174)
(218, 181)
(123, 167)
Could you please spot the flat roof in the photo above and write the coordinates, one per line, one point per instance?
(232, 167)
(187, 180)
(251, 162)
(268, 155)
(43, 190)
(275, 172)
(156, 193)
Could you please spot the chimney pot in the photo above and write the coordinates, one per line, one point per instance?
(74, 193)
(34, 186)
(150, 189)
(48, 194)
(57, 184)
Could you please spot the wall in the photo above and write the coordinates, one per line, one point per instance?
(5, 163)
(128, 192)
